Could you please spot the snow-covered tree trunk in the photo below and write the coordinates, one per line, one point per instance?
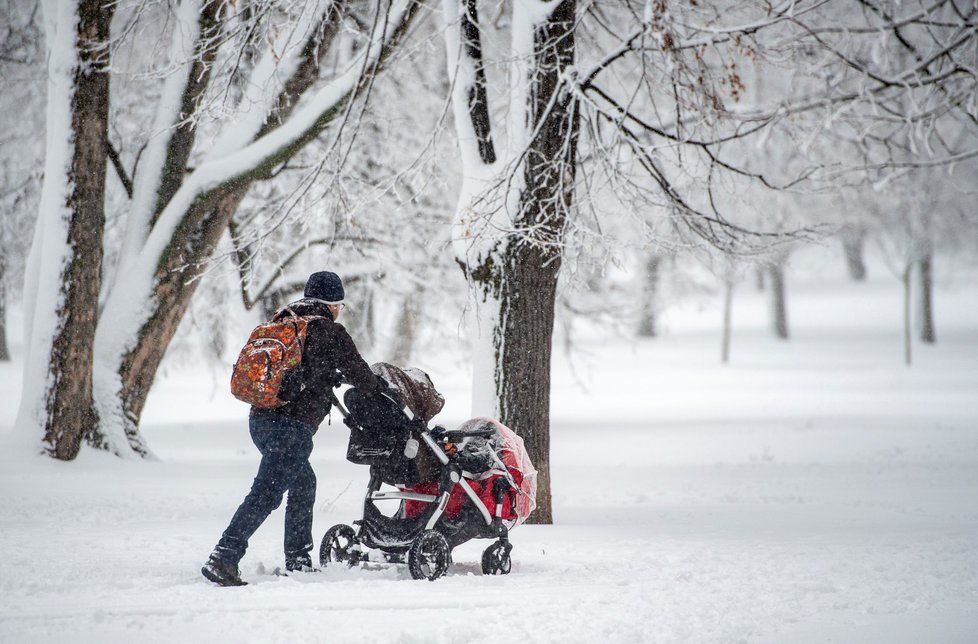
(193, 48)
(162, 163)
(123, 394)
(925, 295)
(531, 263)
(647, 327)
(144, 309)
(480, 165)
(513, 211)
(65, 267)
(779, 304)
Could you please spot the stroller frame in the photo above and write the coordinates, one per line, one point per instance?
(425, 541)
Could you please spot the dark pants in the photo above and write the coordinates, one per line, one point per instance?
(285, 445)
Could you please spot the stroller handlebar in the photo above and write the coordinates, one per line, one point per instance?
(457, 434)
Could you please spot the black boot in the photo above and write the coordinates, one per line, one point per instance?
(302, 563)
(222, 573)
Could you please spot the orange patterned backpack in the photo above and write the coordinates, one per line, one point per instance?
(272, 350)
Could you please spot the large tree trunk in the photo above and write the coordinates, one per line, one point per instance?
(194, 47)
(928, 332)
(176, 282)
(514, 274)
(525, 278)
(531, 267)
(524, 359)
(647, 327)
(57, 396)
(779, 305)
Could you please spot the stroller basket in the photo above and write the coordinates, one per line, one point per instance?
(378, 436)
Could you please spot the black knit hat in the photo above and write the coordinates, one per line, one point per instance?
(325, 286)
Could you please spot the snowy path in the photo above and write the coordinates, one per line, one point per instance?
(821, 493)
(731, 550)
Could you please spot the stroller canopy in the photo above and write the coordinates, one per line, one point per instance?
(415, 387)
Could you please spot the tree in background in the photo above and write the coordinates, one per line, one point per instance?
(650, 300)
(512, 211)
(21, 153)
(192, 175)
(64, 268)
(591, 132)
(379, 213)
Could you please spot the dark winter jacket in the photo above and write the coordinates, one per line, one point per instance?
(329, 351)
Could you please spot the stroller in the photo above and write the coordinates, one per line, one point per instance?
(474, 482)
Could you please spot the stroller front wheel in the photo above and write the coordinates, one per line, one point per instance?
(496, 560)
(429, 556)
(340, 546)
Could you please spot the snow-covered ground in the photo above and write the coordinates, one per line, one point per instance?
(811, 491)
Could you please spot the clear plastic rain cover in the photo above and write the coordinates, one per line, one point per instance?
(513, 462)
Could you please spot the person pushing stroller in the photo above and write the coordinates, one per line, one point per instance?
(282, 425)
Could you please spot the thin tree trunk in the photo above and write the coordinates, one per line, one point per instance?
(759, 279)
(728, 289)
(4, 350)
(907, 356)
(650, 287)
(779, 307)
(853, 245)
(358, 318)
(406, 330)
(928, 331)
(58, 377)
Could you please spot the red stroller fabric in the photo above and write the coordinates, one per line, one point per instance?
(512, 462)
(457, 499)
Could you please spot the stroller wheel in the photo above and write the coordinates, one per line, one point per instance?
(429, 556)
(496, 559)
(339, 546)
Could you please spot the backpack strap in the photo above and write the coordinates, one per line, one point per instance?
(287, 310)
(278, 315)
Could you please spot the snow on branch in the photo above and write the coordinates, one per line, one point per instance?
(270, 149)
